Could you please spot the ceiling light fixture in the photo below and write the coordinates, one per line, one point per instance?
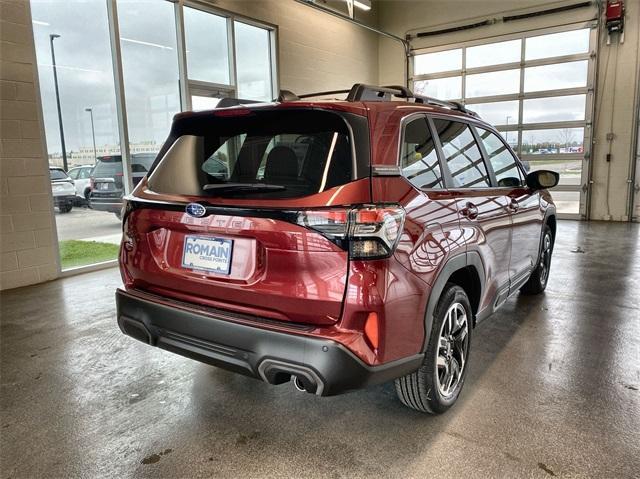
(362, 4)
(38, 22)
(148, 44)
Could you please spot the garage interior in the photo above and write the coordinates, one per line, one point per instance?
(554, 386)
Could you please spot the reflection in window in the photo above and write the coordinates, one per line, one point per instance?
(502, 161)
(558, 108)
(462, 155)
(556, 77)
(494, 54)
(438, 62)
(419, 160)
(150, 68)
(557, 44)
(207, 46)
(253, 62)
(493, 83)
(443, 88)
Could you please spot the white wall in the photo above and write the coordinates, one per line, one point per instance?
(27, 229)
(402, 16)
(316, 50)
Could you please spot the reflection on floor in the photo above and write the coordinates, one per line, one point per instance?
(554, 389)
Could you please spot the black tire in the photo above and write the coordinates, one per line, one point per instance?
(66, 208)
(538, 280)
(421, 390)
(87, 193)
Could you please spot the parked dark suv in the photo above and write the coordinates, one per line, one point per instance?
(336, 243)
(107, 185)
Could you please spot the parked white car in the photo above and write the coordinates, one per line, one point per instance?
(81, 175)
(63, 189)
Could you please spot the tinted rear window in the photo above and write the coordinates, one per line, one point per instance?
(294, 152)
(58, 175)
(108, 167)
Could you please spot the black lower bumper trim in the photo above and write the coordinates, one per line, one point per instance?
(323, 366)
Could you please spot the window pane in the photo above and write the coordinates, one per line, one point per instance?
(493, 83)
(253, 62)
(502, 161)
(150, 68)
(557, 44)
(497, 113)
(419, 160)
(511, 137)
(559, 108)
(555, 141)
(85, 81)
(199, 103)
(555, 77)
(443, 88)
(570, 171)
(438, 62)
(207, 46)
(462, 155)
(494, 54)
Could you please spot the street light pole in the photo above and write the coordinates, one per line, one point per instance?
(52, 37)
(93, 133)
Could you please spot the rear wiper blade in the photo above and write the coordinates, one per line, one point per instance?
(245, 187)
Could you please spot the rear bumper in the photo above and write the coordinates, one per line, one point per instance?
(325, 367)
(63, 200)
(112, 205)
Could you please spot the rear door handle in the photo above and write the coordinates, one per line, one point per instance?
(470, 211)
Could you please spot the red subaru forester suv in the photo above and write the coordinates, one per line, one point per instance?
(337, 244)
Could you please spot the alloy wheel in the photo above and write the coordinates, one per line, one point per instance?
(453, 346)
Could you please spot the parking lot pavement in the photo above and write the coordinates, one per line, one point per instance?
(88, 224)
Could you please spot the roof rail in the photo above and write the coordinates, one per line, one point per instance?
(227, 102)
(364, 92)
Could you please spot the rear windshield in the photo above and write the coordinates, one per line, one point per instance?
(58, 175)
(109, 166)
(259, 154)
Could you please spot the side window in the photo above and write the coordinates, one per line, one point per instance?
(418, 157)
(85, 173)
(462, 155)
(73, 174)
(502, 161)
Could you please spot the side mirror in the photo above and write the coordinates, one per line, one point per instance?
(542, 179)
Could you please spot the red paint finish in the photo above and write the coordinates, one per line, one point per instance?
(293, 274)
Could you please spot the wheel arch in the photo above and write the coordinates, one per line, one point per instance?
(465, 270)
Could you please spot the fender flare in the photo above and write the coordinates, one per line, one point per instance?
(453, 264)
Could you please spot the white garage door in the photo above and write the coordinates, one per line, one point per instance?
(535, 87)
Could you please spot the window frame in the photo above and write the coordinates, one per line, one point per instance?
(487, 156)
(517, 126)
(446, 172)
(189, 87)
(403, 124)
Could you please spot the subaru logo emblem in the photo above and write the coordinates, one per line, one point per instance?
(196, 210)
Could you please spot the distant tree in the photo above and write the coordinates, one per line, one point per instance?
(566, 136)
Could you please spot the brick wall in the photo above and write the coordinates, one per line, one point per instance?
(27, 243)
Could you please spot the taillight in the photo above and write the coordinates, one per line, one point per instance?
(368, 231)
(92, 183)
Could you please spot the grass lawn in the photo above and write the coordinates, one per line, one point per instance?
(79, 253)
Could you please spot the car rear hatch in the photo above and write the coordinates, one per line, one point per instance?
(245, 210)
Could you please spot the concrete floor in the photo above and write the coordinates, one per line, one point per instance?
(553, 390)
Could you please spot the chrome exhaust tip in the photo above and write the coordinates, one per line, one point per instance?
(299, 385)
